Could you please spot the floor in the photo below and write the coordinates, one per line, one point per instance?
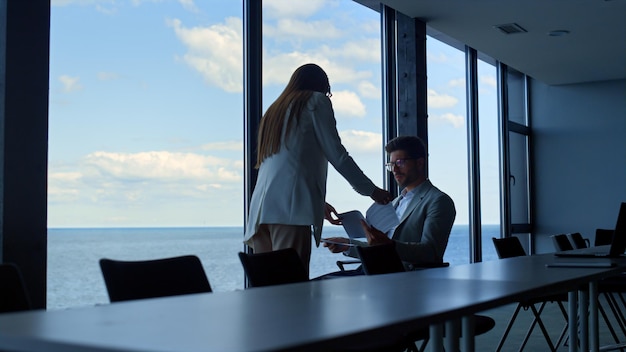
(554, 321)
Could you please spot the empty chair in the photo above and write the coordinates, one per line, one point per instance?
(380, 259)
(129, 280)
(509, 247)
(578, 240)
(383, 259)
(603, 237)
(273, 268)
(561, 242)
(13, 295)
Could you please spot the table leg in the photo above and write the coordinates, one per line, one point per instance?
(467, 334)
(572, 304)
(594, 332)
(452, 333)
(436, 337)
(583, 318)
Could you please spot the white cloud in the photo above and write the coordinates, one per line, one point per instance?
(436, 57)
(365, 50)
(368, 90)
(189, 5)
(120, 178)
(161, 165)
(361, 141)
(65, 176)
(290, 28)
(231, 145)
(107, 76)
(70, 84)
(77, 2)
(347, 103)
(215, 51)
(456, 121)
(459, 82)
(489, 80)
(436, 100)
(290, 8)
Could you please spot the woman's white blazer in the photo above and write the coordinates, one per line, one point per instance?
(291, 184)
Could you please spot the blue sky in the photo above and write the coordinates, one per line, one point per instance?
(146, 107)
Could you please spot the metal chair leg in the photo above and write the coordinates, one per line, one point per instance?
(509, 325)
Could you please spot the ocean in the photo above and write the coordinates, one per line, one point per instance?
(75, 280)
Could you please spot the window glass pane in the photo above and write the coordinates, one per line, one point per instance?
(489, 158)
(518, 147)
(517, 97)
(145, 140)
(447, 138)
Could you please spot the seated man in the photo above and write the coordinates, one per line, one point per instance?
(426, 214)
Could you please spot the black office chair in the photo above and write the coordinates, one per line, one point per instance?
(509, 247)
(561, 242)
(13, 295)
(129, 280)
(603, 237)
(578, 240)
(384, 259)
(279, 267)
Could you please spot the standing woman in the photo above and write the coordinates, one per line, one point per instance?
(297, 139)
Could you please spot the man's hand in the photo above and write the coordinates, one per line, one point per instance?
(374, 236)
(329, 210)
(335, 245)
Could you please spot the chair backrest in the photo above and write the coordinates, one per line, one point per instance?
(578, 240)
(561, 242)
(380, 259)
(603, 237)
(279, 267)
(13, 295)
(508, 247)
(128, 280)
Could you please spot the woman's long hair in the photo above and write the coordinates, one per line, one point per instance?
(305, 80)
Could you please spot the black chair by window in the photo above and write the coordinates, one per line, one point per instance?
(383, 259)
(13, 294)
(273, 268)
(561, 242)
(578, 240)
(603, 237)
(509, 247)
(129, 280)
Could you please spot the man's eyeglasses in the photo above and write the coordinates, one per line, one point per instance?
(399, 163)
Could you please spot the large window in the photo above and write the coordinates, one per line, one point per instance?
(146, 121)
(448, 145)
(145, 140)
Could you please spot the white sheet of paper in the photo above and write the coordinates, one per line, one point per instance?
(382, 217)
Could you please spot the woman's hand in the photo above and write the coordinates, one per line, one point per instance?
(381, 196)
(329, 210)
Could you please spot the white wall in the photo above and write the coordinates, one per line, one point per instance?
(579, 141)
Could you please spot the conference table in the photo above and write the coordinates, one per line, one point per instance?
(319, 315)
